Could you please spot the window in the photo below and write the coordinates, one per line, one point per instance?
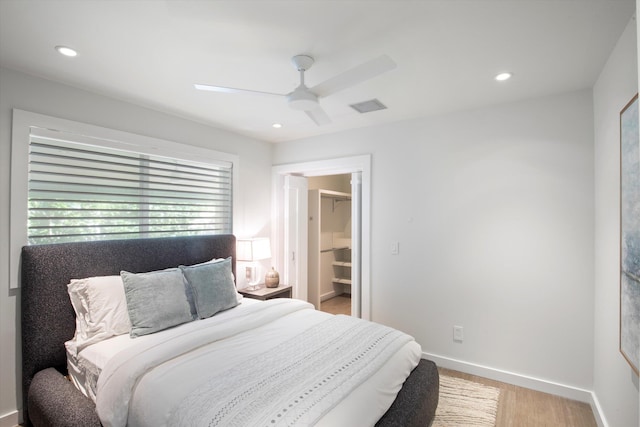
(82, 192)
(77, 182)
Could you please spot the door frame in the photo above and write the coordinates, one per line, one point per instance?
(338, 166)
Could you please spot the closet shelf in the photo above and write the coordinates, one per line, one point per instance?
(335, 249)
(341, 280)
(342, 263)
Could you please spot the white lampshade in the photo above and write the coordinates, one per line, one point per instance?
(253, 249)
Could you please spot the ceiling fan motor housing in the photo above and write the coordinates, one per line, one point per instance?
(302, 99)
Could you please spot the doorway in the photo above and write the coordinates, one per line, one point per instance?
(330, 241)
(290, 224)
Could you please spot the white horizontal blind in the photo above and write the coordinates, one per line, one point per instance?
(82, 192)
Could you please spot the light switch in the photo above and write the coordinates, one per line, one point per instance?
(458, 334)
(395, 248)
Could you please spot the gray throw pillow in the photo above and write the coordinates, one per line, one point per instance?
(212, 286)
(156, 300)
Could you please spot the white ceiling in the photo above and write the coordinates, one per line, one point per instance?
(151, 52)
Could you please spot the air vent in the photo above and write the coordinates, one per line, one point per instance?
(368, 106)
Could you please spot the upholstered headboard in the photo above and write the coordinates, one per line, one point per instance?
(48, 319)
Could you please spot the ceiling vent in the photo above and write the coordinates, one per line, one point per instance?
(368, 106)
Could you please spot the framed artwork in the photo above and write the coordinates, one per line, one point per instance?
(630, 234)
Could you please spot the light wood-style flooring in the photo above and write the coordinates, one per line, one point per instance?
(340, 304)
(523, 407)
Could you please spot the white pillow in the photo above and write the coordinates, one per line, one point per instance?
(101, 310)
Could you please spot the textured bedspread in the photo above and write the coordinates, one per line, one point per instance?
(277, 363)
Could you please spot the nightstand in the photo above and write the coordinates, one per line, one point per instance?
(282, 291)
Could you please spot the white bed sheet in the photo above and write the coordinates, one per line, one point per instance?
(362, 407)
(85, 367)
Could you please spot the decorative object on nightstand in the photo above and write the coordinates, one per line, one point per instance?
(252, 250)
(272, 278)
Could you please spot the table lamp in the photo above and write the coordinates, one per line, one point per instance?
(252, 250)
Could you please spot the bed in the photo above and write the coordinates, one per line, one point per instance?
(49, 321)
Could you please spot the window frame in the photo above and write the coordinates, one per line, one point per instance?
(22, 123)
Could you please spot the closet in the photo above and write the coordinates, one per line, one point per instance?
(329, 264)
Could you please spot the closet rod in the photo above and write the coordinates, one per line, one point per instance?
(327, 194)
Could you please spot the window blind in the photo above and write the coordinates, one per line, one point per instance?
(78, 191)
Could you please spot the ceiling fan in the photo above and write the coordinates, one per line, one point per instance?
(306, 99)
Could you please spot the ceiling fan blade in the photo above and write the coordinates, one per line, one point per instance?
(319, 116)
(352, 77)
(234, 90)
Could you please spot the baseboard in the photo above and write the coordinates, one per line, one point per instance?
(10, 419)
(597, 411)
(520, 380)
(328, 295)
(332, 294)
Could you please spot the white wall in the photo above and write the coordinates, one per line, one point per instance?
(25, 92)
(493, 210)
(615, 385)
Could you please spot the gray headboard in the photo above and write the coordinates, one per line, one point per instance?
(48, 319)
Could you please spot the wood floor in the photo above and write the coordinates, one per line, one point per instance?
(340, 304)
(523, 407)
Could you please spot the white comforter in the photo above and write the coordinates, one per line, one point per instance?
(274, 363)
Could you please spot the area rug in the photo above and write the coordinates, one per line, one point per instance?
(466, 403)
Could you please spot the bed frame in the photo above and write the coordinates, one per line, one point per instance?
(48, 320)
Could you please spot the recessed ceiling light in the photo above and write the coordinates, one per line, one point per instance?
(503, 76)
(277, 125)
(66, 51)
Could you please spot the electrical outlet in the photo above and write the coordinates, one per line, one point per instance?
(458, 334)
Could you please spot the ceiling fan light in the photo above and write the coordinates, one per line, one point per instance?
(303, 100)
